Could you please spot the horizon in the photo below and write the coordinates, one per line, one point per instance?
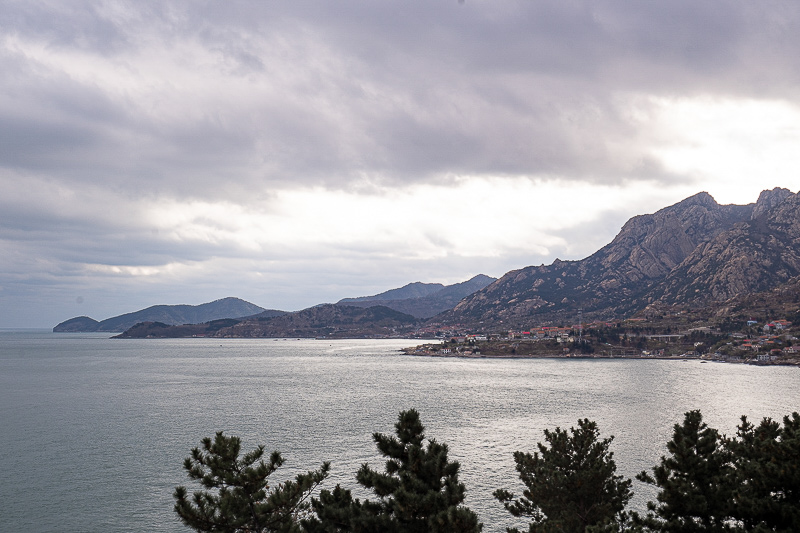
(303, 153)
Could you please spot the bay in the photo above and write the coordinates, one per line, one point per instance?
(95, 430)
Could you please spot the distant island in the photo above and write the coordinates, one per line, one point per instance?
(166, 314)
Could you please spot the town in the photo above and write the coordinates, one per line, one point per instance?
(678, 335)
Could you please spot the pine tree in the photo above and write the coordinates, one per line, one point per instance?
(571, 485)
(239, 498)
(418, 493)
(696, 482)
(766, 459)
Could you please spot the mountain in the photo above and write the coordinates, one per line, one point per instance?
(387, 314)
(166, 314)
(695, 254)
(327, 320)
(754, 256)
(422, 300)
(412, 290)
(692, 252)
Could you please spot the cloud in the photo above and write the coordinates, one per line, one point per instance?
(182, 98)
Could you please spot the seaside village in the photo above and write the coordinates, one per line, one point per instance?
(753, 342)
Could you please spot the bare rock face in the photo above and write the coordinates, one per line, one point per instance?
(690, 252)
(750, 257)
(650, 246)
(769, 199)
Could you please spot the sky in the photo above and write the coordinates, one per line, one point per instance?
(294, 153)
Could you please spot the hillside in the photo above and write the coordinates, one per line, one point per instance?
(692, 252)
(166, 314)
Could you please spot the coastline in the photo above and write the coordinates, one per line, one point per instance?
(420, 351)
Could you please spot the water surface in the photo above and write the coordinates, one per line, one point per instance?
(95, 430)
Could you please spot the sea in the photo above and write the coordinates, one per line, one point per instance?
(94, 430)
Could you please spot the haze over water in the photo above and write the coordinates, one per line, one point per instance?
(95, 430)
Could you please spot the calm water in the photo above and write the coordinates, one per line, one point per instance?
(94, 431)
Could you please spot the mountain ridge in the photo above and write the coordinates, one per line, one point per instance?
(426, 306)
(416, 289)
(754, 256)
(629, 273)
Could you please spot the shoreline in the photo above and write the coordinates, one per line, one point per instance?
(420, 353)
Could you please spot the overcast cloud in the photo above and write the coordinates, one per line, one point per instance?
(291, 153)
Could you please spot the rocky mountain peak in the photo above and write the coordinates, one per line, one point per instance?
(754, 256)
(649, 246)
(769, 199)
(702, 199)
(783, 217)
